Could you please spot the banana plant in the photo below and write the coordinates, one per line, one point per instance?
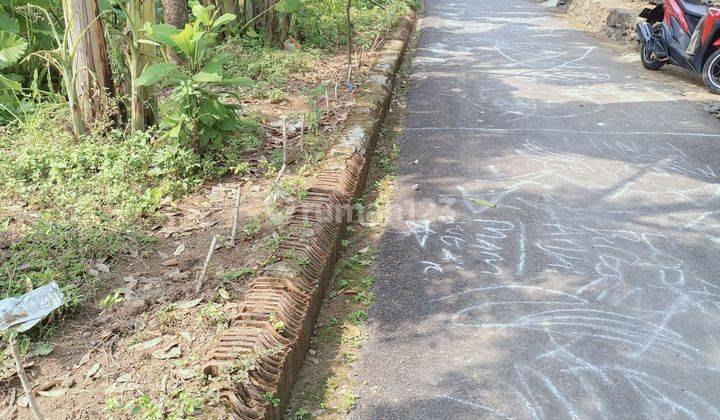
(138, 54)
(61, 58)
(12, 49)
(17, 17)
(199, 116)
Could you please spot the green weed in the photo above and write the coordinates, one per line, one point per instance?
(358, 317)
(349, 401)
(252, 226)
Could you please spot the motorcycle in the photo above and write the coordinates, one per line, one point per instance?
(666, 35)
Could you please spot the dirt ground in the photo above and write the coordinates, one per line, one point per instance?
(140, 352)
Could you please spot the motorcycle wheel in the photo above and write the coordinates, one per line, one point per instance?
(711, 72)
(647, 60)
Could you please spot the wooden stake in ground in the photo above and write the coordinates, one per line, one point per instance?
(336, 92)
(285, 156)
(327, 102)
(302, 130)
(23, 377)
(284, 142)
(201, 277)
(236, 214)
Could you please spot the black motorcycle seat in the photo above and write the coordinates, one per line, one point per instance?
(693, 8)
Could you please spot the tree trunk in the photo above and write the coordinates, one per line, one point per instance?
(252, 9)
(143, 107)
(175, 13)
(229, 6)
(270, 21)
(91, 68)
(348, 6)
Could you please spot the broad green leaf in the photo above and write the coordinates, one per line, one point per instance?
(175, 131)
(203, 13)
(154, 73)
(183, 41)
(9, 84)
(288, 6)
(9, 24)
(222, 20)
(12, 49)
(237, 81)
(213, 67)
(207, 77)
(227, 124)
(222, 58)
(251, 32)
(161, 33)
(211, 111)
(105, 5)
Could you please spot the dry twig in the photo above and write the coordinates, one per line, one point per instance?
(23, 377)
(201, 277)
(236, 216)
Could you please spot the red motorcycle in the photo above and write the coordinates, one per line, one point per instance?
(685, 33)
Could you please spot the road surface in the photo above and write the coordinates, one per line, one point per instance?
(554, 252)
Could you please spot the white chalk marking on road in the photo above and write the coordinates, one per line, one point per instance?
(557, 130)
(521, 257)
(478, 406)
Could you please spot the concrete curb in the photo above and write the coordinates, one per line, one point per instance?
(261, 353)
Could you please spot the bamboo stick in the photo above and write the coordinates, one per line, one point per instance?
(236, 214)
(203, 273)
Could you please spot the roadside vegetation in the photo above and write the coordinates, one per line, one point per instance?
(79, 189)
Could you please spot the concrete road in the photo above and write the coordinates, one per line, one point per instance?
(554, 252)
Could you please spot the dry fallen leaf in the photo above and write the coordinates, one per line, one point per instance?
(102, 267)
(205, 225)
(83, 360)
(93, 370)
(54, 393)
(185, 373)
(146, 344)
(353, 330)
(171, 262)
(180, 249)
(173, 353)
(188, 303)
(186, 335)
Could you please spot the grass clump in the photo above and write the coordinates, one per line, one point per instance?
(323, 24)
(270, 68)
